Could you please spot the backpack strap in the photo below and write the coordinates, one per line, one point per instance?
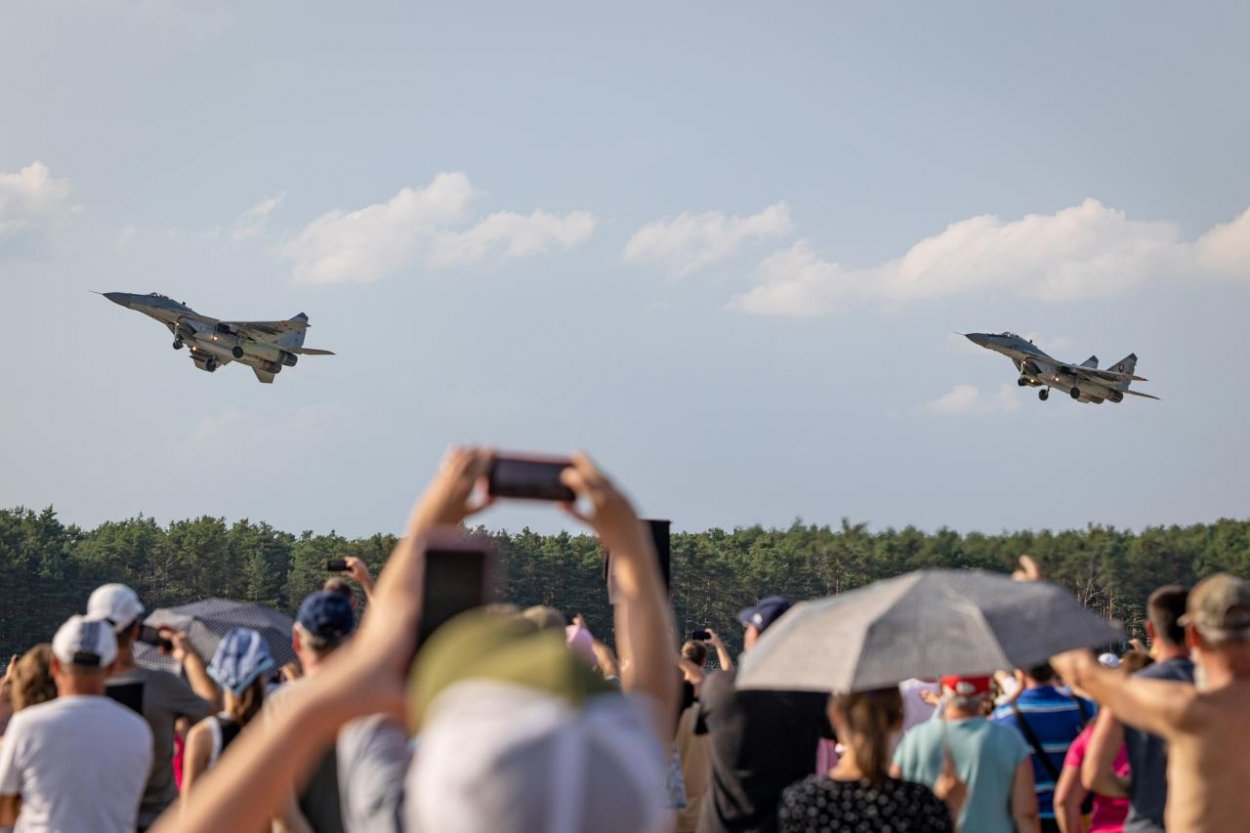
(1031, 737)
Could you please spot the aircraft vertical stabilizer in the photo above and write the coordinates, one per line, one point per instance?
(296, 338)
(1092, 361)
(1126, 364)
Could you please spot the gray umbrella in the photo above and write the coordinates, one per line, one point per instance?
(922, 624)
(206, 622)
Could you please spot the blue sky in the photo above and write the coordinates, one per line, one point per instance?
(722, 246)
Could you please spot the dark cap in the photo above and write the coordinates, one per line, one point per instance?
(1219, 606)
(764, 612)
(326, 615)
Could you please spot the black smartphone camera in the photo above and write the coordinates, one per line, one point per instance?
(149, 635)
(336, 565)
(700, 635)
(529, 478)
(459, 576)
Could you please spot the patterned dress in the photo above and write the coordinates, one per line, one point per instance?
(821, 805)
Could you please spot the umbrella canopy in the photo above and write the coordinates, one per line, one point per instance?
(206, 622)
(922, 624)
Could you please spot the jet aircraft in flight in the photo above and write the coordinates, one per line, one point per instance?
(1084, 382)
(265, 346)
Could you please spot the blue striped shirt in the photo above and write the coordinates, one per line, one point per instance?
(1056, 720)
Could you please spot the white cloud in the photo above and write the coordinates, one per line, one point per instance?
(30, 197)
(510, 235)
(1087, 251)
(968, 400)
(688, 242)
(252, 223)
(370, 243)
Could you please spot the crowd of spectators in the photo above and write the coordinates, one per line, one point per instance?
(523, 721)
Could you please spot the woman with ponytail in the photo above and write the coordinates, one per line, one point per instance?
(240, 666)
(858, 795)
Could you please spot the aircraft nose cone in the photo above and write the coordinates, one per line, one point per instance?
(979, 339)
(117, 298)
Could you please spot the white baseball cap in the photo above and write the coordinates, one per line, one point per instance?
(85, 642)
(115, 602)
(512, 759)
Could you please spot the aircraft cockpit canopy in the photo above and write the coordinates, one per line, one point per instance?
(1010, 335)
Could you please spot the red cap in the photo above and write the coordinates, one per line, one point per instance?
(967, 686)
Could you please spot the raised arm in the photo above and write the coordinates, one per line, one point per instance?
(193, 664)
(1160, 707)
(644, 623)
(722, 653)
(365, 676)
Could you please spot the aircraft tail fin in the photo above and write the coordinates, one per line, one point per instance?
(1125, 365)
(296, 337)
(1092, 361)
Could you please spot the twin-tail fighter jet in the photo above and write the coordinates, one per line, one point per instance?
(265, 346)
(1084, 382)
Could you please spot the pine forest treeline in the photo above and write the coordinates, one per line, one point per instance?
(50, 568)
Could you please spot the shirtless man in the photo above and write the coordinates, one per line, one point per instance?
(1207, 725)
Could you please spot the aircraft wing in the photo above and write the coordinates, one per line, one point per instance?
(264, 376)
(264, 330)
(1139, 393)
(1100, 375)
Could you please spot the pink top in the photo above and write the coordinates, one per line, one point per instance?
(1109, 813)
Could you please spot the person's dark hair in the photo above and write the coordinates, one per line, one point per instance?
(696, 652)
(1134, 661)
(130, 634)
(32, 678)
(338, 585)
(1040, 673)
(1164, 607)
(872, 717)
(248, 704)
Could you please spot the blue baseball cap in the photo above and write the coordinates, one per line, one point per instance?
(764, 612)
(241, 656)
(326, 615)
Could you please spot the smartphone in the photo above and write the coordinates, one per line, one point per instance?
(700, 635)
(661, 538)
(529, 477)
(336, 565)
(149, 635)
(459, 576)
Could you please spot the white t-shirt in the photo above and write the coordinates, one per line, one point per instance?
(78, 763)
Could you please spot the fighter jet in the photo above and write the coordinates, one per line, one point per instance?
(1084, 382)
(265, 346)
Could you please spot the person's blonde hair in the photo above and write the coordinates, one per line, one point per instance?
(32, 678)
(872, 717)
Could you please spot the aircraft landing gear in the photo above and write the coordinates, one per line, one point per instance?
(1022, 382)
(1043, 394)
(177, 344)
(1076, 393)
(210, 365)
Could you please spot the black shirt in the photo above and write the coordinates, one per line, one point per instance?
(821, 805)
(761, 742)
(1148, 758)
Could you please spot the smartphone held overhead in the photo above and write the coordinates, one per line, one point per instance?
(459, 576)
(529, 477)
